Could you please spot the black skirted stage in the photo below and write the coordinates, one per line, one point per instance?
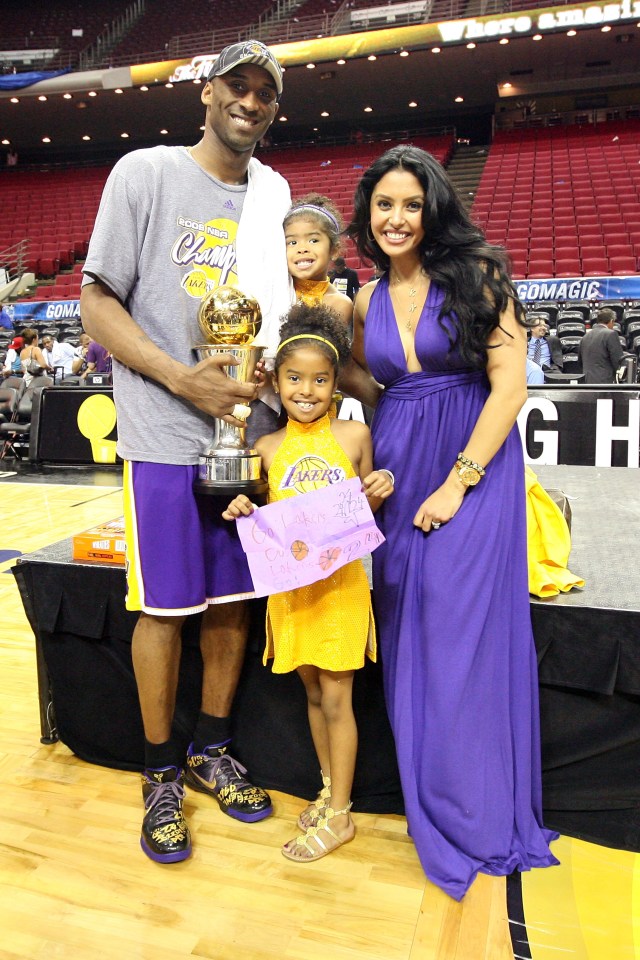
(588, 646)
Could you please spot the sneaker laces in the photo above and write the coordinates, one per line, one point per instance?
(226, 766)
(164, 799)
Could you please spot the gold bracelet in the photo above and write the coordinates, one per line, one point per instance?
(471, 463)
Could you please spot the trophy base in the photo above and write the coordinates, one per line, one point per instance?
(229, 489)
(226, 475)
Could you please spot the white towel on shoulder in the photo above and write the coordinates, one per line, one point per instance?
(261, 251)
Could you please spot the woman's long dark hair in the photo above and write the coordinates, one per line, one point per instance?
(472, 273)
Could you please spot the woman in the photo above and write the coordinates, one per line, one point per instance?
(33, 361)
(443, 331)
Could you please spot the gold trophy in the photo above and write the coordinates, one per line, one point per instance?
(229, 321)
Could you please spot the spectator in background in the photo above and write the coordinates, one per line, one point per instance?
(33, 361)
(57, 353)
(12, 158)
(13, 363)
(80, 354)
(98, 359)
(544, 349)
(535, 373)
(6, 323)
(344, 279)
(600, 349)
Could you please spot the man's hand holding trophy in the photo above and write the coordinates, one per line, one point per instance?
(229, 322)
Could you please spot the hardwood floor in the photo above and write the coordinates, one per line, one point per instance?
(75, 885)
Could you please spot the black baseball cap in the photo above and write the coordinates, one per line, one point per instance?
(249, 51)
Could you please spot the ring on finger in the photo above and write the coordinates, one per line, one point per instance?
(241, 411)
(435, 524)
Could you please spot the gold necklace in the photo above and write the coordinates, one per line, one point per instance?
(412, 294)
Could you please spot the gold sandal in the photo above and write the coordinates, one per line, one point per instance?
(316, 807)
(313, 834)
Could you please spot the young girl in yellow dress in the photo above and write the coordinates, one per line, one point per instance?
(323, 630)
(312, 229)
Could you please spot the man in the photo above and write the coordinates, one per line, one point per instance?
(57, 353)
(535, 373)
(344, 279)
(543, 349)
(600, 349)
(98, 360)
(175, 222)
(80, 354)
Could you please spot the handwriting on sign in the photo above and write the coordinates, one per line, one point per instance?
(297, 541)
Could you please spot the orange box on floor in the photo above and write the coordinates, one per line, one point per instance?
(101, 544)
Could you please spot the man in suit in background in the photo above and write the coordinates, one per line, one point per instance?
(544, 349)
(600, 351)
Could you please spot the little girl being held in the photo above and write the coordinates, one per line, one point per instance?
(312, 229)
(323, 630)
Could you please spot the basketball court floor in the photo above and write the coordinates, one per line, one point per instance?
(73, 882)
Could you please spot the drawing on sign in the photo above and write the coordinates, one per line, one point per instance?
(299, 550)
(300, 540)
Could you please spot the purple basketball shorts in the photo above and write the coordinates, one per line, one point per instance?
(181, 555)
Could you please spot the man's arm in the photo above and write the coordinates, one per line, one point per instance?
(614, 347)
(205, 385)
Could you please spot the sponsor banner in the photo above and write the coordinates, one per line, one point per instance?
(17, 81)
(53, 310)
(581, 425)
(579, 288)
(540, 21)
(409, 37)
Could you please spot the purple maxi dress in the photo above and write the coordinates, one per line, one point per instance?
(452, 606)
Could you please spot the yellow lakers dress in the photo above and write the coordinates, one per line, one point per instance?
(329, 623)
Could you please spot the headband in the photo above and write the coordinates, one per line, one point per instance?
(309, 336)
(312, 206)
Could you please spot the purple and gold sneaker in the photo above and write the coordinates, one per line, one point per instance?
(165, 835)
(217, 774)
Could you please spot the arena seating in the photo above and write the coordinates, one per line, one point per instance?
(564, 201)
(56, 22)
(164, 19)
(56, 211)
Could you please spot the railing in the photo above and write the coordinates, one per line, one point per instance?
(520, 119)
(13, 258)
(94, 54)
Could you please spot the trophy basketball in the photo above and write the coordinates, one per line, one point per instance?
(229, 321)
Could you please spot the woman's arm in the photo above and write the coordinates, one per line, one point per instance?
(205, 385)
(355, 377)
(506, 370)
(355, 440)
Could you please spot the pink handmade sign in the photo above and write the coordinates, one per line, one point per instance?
(298, 541)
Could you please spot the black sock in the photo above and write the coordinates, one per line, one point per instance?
(159, 755)
(211, 732)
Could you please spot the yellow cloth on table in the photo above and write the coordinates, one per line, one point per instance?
(548, 543)
(328, 623)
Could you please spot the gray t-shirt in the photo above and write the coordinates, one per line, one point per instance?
(164, 236)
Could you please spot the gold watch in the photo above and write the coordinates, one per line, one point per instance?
(467, 474)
